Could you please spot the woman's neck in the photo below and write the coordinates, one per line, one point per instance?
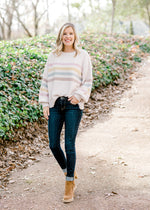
(68, 49)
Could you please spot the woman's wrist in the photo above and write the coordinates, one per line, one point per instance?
(45, 105)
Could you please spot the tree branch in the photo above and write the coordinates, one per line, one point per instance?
(38, 19)
(23, 25)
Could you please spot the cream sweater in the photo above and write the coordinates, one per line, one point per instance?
(66, 75)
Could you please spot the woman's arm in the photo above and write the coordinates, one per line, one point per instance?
(83, 92)
(43, 93)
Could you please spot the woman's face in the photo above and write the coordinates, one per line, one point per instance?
(68, 37)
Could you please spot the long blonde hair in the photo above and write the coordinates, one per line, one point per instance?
(59, 43)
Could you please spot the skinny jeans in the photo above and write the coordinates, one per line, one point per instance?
(66, 113)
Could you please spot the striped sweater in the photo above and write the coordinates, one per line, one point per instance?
(66, 75)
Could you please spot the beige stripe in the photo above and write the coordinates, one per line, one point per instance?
(65, 68)
(43, 89)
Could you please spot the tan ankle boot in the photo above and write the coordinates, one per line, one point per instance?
(69, 191)
(74, 185)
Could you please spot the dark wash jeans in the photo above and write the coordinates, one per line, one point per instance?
(64, 112)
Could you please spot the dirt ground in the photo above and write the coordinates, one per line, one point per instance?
(113, 163)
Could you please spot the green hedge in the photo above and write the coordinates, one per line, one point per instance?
(22, 63)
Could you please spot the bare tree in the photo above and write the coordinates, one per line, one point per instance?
(47, 29)
(148, 13)
(37, 16)
(99, 2)
(146, 6)
(2, 27)
(68, 8)
(6, 16)
(113, 14)
(91, 5)
(8, 22)
(19, 17)
(32, 8)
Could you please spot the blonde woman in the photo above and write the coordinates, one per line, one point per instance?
(65, 87)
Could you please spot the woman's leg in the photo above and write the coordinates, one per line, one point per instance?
(72, 121)
(55, 123)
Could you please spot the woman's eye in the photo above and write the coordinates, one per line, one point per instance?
(65, 34)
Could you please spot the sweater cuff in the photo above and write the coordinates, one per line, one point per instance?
(78, 97)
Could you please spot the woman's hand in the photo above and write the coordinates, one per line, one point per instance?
(46, 111)
(73, 100)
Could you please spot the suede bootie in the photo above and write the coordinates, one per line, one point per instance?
(69, 192)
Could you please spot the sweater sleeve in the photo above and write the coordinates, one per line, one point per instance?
(83, 92)
(43, 93)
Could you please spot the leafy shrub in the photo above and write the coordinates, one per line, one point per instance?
(22, 63)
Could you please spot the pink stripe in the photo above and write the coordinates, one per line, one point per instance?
(44, 79)
(90, 81)
(74, 64)
(43, 94)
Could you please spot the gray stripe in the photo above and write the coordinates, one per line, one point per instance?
(87, 85)
(64, 73)
(44, 84)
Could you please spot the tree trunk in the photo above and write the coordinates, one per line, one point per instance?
(2, 26)
(131, 28)
(68, 8)
(148, 13)
(35, 23)
(3, 32)
(36, 28)
(8, 7)
(91, 5)
(99, 3)
(47, 29)
(35, 17)
(113, 15)
(9, 24)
